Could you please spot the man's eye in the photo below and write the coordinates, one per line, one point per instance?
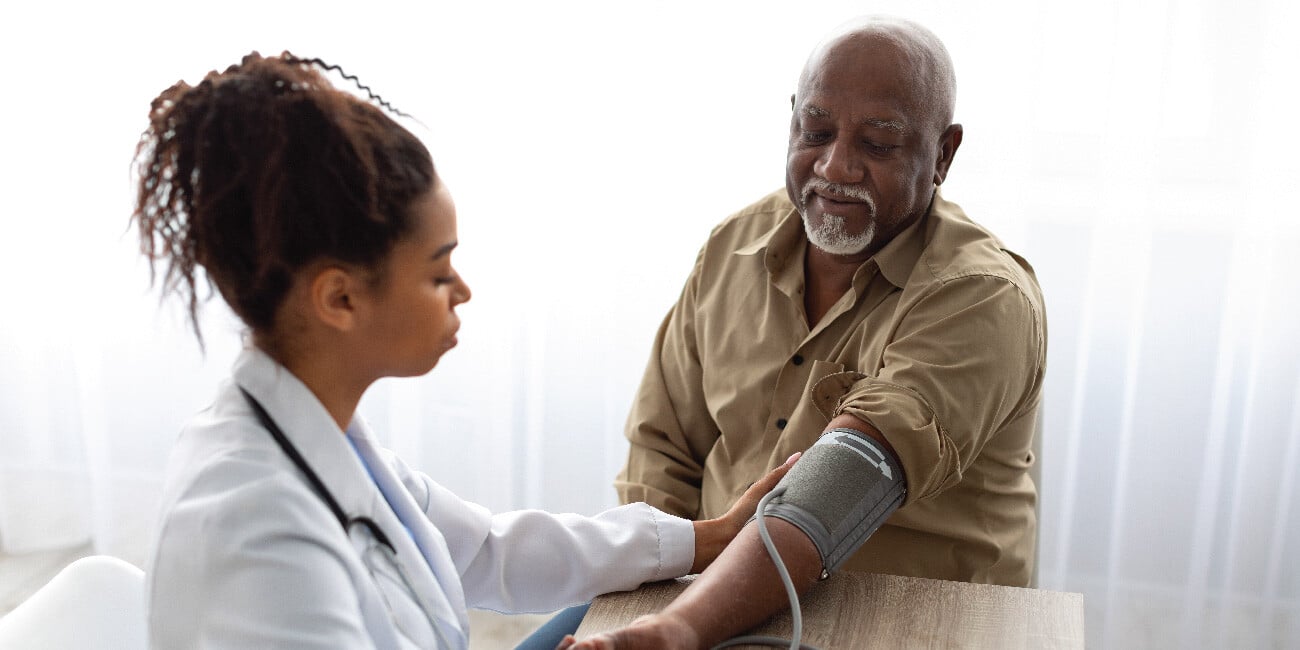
(446, 279)
(814, 137)
(877, 148)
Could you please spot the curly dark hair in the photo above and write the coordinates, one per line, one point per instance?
(264, 168)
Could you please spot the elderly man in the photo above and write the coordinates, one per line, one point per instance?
(859, 300)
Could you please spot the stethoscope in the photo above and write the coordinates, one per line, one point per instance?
(292, 452)
(345, 521)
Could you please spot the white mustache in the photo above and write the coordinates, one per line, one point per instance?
(846, 191)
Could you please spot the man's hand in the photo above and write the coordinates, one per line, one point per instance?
(713, 535)
(657, 631)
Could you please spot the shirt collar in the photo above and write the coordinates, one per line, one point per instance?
(785, 244)
(897, 259)
(782, 248)
(781, 238)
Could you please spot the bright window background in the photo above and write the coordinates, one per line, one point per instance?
(1141, 155)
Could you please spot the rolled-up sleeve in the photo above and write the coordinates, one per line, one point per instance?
(966, 358)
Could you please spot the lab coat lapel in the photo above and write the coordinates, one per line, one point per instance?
(442, 600)
(432, 545)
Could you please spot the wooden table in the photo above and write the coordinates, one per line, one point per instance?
(863, 611)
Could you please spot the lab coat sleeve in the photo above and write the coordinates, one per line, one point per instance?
(246, 561)
(536, 561)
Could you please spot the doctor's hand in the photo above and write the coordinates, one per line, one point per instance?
(657, 631)
(713, 535)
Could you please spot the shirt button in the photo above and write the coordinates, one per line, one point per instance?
(797, 360)
(781, 422)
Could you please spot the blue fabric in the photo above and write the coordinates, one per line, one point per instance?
(552, 632)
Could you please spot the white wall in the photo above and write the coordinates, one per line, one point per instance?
(1140, 156)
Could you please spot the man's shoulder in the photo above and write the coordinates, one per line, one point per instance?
(957, 246)
(774, 205)
(753, 221)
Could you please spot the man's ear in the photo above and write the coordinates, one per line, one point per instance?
(334, 297)
(948, 143)
(792, 101)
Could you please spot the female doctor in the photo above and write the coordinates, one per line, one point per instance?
(322, 223)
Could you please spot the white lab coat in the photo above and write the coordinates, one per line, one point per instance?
(249, 556)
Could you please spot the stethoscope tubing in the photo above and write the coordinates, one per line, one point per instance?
(294, 455)
(346, 522)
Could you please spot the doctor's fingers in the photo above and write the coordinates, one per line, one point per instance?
(762, 486)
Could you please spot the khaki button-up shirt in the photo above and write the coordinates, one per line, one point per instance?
(940, 344)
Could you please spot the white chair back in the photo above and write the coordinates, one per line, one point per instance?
(95, 603)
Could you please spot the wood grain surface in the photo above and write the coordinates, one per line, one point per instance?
(865, 611)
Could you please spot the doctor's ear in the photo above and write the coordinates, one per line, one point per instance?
(333, 295)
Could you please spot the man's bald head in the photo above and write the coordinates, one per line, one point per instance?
(923, 59)
(871, 134)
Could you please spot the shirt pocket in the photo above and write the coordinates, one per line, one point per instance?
(806, 422)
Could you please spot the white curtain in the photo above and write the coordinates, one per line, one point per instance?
(1141, 155)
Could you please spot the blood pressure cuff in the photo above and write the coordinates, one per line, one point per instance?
(839, 492)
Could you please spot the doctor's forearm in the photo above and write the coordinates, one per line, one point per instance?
(711, 538)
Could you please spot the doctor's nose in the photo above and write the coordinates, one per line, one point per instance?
(461, 293)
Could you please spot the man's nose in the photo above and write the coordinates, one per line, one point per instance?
(839, 163)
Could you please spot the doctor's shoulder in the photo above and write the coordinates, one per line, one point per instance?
(228, 488)
(245, 550)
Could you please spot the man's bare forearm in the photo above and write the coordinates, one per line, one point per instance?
(742, 588)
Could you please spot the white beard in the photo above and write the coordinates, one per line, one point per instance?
(831, 237)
